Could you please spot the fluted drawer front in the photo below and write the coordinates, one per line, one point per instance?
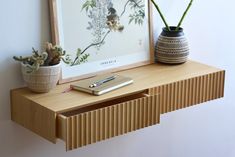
(106, 122)
(185, 93)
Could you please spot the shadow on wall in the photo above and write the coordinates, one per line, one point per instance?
(30, 28)
(16, 141)
(10, 78)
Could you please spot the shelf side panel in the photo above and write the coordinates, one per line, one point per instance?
(33, 116)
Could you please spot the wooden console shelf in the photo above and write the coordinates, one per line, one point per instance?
(81, 119)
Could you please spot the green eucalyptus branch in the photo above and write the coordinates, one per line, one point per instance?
(161, 15)
(182, 18)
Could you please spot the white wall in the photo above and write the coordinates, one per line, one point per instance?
(205, 130)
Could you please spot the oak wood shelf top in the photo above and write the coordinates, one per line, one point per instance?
(80, 119)
(144, 77)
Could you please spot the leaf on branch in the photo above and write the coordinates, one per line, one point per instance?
(137, 18)
(89, 4)
(79, 52)
(131, 19)
(139, 14)
(84, 58)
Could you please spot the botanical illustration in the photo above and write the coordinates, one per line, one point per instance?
(103, 20)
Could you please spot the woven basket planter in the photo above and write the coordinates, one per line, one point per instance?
(42, 80)
(171, 47)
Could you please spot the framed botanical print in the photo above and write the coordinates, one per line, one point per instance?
(101, 35)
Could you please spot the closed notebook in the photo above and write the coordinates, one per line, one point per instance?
(102, 84)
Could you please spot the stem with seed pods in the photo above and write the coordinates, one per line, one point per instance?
(161, 15)
(182, 18)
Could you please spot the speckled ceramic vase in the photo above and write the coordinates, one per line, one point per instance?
(171, 47)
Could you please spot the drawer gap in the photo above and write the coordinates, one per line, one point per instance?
(105, 104)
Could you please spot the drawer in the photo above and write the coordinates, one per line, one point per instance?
(108, 119)
(192, 91)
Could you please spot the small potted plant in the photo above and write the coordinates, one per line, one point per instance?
(171, 46)
(41, 71)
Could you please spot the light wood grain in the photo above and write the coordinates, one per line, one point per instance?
(33, 116)
(54, 22)
(145, 77)
(83, 119)
(185, 93)
(151, 33)
(96, 125)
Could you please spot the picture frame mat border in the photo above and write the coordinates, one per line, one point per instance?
(56, 41)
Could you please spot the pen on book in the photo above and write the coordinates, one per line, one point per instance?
(100, 82)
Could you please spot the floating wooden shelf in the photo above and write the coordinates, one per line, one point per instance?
(81, 119)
